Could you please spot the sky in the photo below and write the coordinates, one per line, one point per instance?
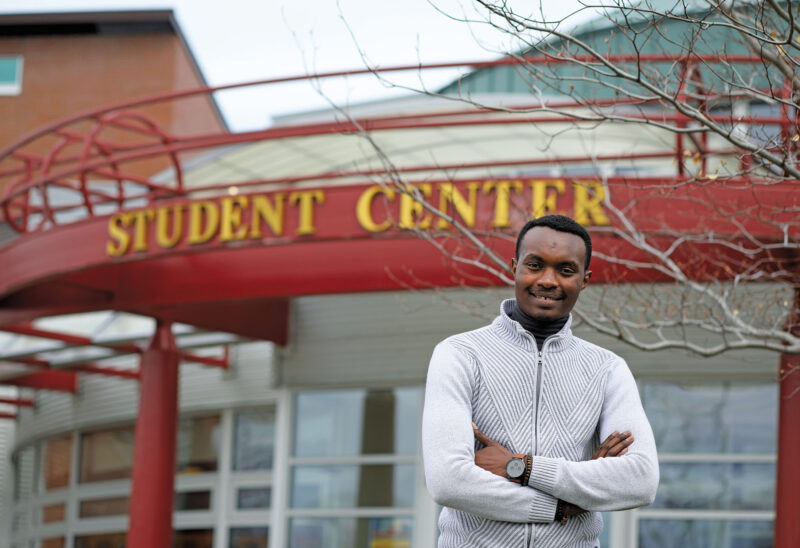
(247, 40)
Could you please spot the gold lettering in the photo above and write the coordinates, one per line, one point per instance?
(272, 213)
(198, 233)
(544, 202)
(448, 194)
(411, 208)
(589, 196)
(162, 229)
(231, 221)
(117, 233)
(306, 199)
(140, 220)
(502, 200)
(364, 209)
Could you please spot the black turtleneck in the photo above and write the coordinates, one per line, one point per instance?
(540, 329)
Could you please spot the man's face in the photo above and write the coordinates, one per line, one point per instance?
(549, 274)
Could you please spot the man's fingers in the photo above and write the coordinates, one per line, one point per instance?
(620, 447)
(481, 437)
(613, 445)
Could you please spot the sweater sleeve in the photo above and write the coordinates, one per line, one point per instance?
(612, 483)
(448, 447)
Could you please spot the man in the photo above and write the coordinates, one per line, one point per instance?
(515, 411)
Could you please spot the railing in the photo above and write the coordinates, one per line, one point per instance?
(92, 157)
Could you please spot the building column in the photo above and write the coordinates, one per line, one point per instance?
(787, 499)
(153, 485)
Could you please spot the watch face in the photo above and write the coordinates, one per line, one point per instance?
(515, 468)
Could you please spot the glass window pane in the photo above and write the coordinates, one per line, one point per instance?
(10, 75)
(54, 512)
(106, 455)
(198, 443)
(249, 537)
(254, 440)
(353, 486)
(111, 506)
(712, 418)
(350, 532)
(356, 422)
(716, 486)
(102, 540)
(662, 533)
(56, 462)
(253, 497)
(193, 538)
(193, 500)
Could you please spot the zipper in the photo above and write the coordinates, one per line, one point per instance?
(537, 397)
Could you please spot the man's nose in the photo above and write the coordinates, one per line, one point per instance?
(548, 278)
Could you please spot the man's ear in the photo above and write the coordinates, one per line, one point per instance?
(514, 265)
(586, 278)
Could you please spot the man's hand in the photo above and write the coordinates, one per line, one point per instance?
(494, 456)
(615, 445)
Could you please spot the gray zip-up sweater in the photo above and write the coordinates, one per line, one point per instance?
(556, 405)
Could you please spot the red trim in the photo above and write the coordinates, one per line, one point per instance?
(19, 402)
(62, 381)
(223, 363)
(107, 371)
(11, 416)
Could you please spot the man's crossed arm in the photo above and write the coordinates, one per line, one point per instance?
(494, 458)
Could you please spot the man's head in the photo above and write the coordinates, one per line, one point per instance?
(551, 266)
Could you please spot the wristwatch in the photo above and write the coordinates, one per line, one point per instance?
(515, 467)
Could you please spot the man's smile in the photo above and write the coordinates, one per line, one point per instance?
(546, 297)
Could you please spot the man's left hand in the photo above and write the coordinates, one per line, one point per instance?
(494, 456)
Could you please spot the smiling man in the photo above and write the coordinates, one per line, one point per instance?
(515, 413)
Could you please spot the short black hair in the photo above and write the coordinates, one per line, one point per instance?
(561, 223)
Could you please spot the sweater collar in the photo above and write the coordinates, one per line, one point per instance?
(514, 332)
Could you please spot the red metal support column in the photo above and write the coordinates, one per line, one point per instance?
(153, 488)
(787, 499)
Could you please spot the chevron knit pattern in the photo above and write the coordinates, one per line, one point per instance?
(490, 376)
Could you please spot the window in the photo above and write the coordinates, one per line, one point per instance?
(354, 452)
(251, 498)
(716, 444)
(102, 540)
(254, 439)
(106, 455)
(249, 537)
(10, 74)
(192, 500)
(54, 512)
(347, 423)
(355, 532)
(95, 508)
(56, 461)
(198, 444)
(193, 538)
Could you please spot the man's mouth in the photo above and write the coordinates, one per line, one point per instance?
(549, 298)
